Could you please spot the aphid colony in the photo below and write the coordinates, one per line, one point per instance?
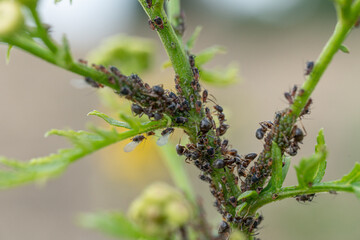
(209, 152)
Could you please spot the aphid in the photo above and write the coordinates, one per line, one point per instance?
(198, 105)
(149, 3)
(288, 97)
(158, 90)
(151, 133)
(82, 61)
(136, 109)
(251, 156)
(134, 143)
(181, 120)
(92, 83)
(177, 79)
(222, 129)
(195, 73)
(293, 91)
(333, 192)
(305, 197)
(192, 60)
(309, 67)
(111, 80)
(306, 109)
(260, 132)
(205, 125)
(180, 150)
(233, 201)
(158, 116)
(205, 95)
(218, 108)
(151, 24)
(224, 226)
(125, 91)
(219, 163)
(210, 151)
(298, 134)
(164, 136)
(159, 22)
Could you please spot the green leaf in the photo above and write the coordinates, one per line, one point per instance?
(8, 54)
(276, 178)
(110, 120)
(344, 49)
(132, 122)
(112, 223)
(223, 77)
(247, 194)
(192, 40)
(285, 168)
(208, 54)
(130, 54)
(84, 143)
(239, 208)
(353, 176)
(312, 169)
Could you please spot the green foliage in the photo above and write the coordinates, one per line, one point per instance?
(344, 49)
(277, 176)
(192, 40)
(247, 195)
(130, 54)
(84, 143)
(352, 179)
(114, 224)
(285, 168)
(311, 170)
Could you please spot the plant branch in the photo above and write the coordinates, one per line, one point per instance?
(42, 31)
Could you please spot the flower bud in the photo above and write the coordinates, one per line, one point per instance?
(160, 210)
(11, 18)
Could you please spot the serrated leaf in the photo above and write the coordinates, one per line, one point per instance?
(8, 54)
(192, 40)
(114, 224)
(133, 123)
(84, 143)
(223, 77)
(208, 54)
(320, 146)
(276, 178)
(110, 120)
(247, 194)
(344, 49)
(312, 169)
(285, 168)
(353, 176)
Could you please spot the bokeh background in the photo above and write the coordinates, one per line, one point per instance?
(271, 40)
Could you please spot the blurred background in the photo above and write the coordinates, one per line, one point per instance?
(271, 40)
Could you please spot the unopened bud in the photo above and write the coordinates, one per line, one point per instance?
(11, 18)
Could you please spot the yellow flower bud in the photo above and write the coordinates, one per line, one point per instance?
(160, 210)
(11, 18)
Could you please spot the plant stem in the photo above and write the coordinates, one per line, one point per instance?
(177, 171)
(42, 31)
(292, 191)
(27, 44)
(341, 31)
(173, 47)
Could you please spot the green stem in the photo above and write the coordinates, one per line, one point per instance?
(292, 191)
(341, 31)
(27, 44)
(173, 47)
(177, 171)
(42, 31)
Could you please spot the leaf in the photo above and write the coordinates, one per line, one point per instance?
(344, 49)
(110, 120)
(112, 223)
(285, 168)
(353, 176)
(240, 207)
(8, 54)
(130, 54)
(312, 169)
(192, 40)
(222, 77)
(84, 143)
(276, 178)
(247, 194)
(208, 54)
